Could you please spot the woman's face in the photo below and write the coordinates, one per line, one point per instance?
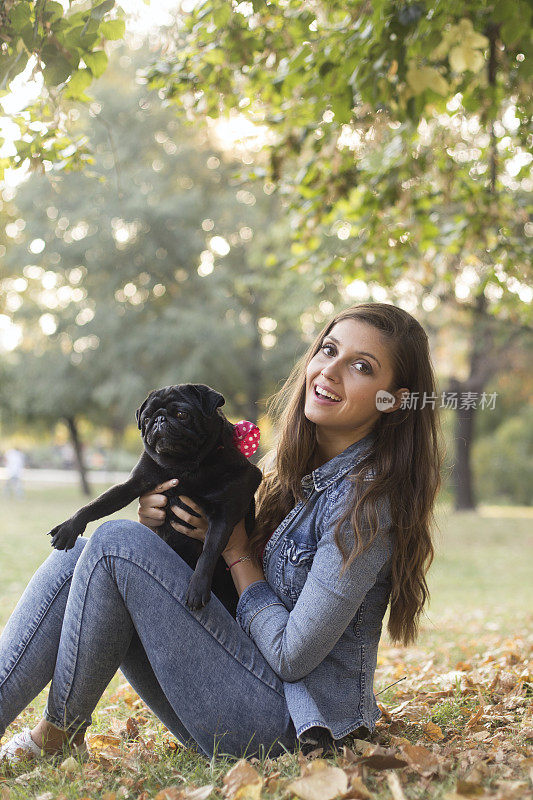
(352, 365)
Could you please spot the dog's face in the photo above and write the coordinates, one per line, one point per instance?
(177, 422)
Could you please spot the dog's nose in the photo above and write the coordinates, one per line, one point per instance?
(159, 420)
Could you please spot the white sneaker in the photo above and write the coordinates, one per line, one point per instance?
(20, 747)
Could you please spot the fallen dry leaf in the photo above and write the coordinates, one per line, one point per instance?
(323, 784)
(188, 793)
(132, 728)
(243, 782)
(433, 731)
(201, 793)
(356, 787)
(313, 766)
(97, 741)
(469, 788)
(70, 766)
(395, 786)
(27, 776)
(108, 754)
(475, 717)
(421, 759)
(381, 759)
(127, 693)
(397, 710)
(169, 793)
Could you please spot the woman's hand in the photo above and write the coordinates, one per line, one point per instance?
(151, 510)
(238, 544)
(195, 517)
(152, 513)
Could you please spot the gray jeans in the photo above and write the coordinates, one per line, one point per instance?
(117, 600)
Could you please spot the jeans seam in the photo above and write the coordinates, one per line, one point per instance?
(39, 622)
(62, 703)
(184, 605)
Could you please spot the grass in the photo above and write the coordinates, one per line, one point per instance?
(23, 528)
(475, 626)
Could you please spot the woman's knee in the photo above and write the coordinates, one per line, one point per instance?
(115, 532)
(67, 559)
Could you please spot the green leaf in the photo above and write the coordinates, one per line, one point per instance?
(96, 14)
(222, 15)
(10, 66)
(97, 62)
(78, 82)
(77, 36)
(422, 78)
(57, 70)
(98, 11)
(113, 28)
(27, 36)
(19, 16)
(215, 56)
(52, 11)
(514, 30)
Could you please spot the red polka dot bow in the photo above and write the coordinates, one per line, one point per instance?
(246, 437)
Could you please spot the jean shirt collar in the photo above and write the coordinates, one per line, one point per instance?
(323, 476)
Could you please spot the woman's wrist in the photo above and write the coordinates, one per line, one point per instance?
(245, 572)
(234, 554)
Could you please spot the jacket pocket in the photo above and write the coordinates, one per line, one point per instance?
(295, 561)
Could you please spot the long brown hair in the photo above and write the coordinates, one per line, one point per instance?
(403, 461)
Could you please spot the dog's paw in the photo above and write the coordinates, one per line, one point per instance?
(64, 536)
(198, 593)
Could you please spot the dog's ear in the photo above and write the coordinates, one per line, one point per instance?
(141, 409)
(210, 399)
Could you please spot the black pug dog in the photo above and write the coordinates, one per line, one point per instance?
(187, 437)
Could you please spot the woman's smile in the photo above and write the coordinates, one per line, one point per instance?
(324, 395)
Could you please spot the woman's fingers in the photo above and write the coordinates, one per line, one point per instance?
(194, 534)
(149, 501)
(194, 516)
(192, 505)
(162, 487)
(151, 511)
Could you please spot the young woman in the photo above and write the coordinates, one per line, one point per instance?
(344, 520)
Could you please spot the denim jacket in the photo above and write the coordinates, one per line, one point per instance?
(320, 632)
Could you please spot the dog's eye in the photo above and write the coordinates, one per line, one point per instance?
(182, 415)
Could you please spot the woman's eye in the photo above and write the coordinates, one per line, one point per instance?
(368, 368)
(327, 347)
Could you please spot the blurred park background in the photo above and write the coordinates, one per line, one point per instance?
(190, 191)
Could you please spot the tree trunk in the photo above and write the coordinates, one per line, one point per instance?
(462, 469)
(481, 370)
(78, 451)
(117, 434)
(482, 342)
